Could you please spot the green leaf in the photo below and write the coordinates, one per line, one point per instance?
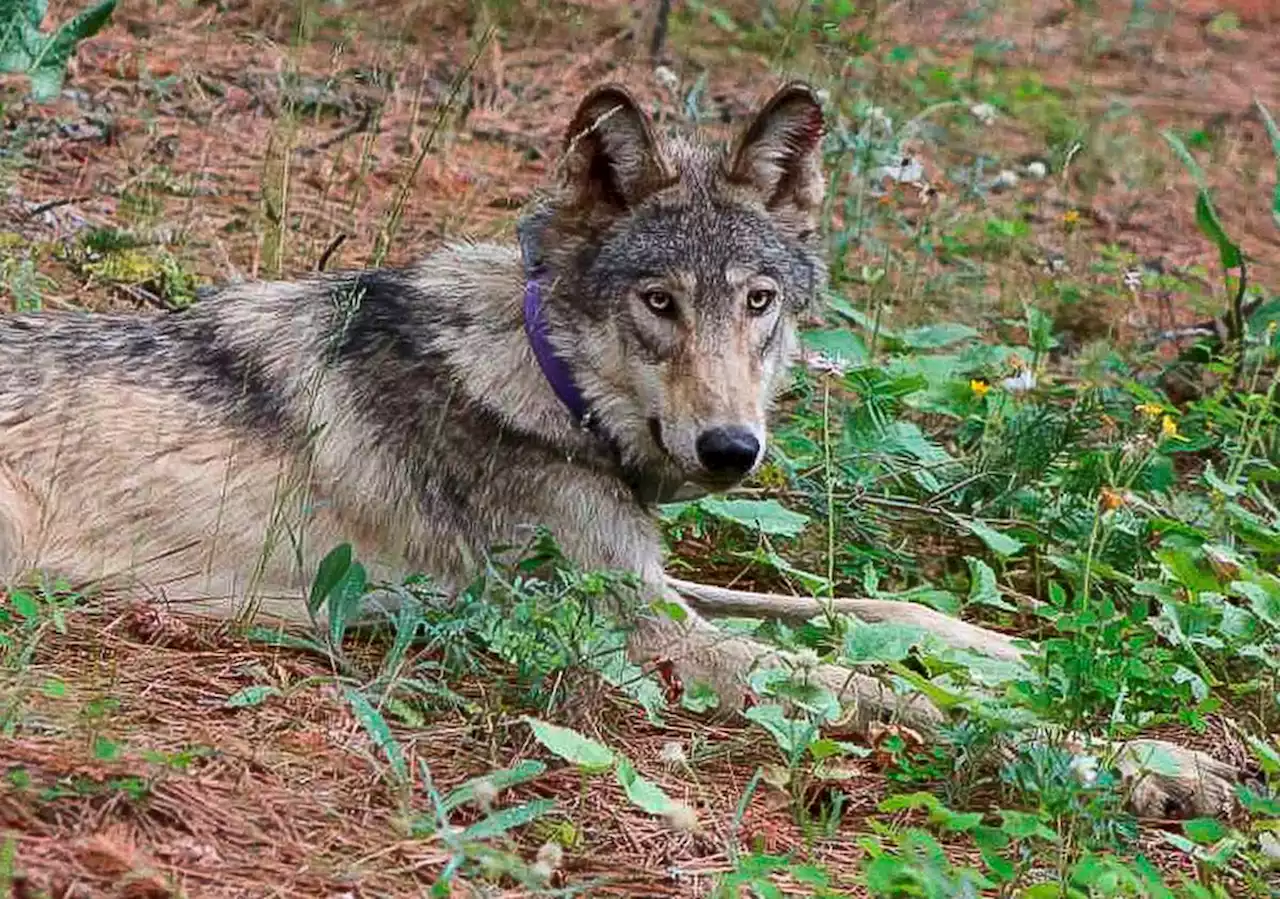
(983, 589)
(838, 344)
(24, 48)
(333, 568)
(880, 642)
(1211, 225)
(931, 337)
(251, 696)
(25, 604)
(1205, 830)
(1206, 216)
(376, 726)
(1001, 544)
(344, 602)
(500, 780)
(507, 819)
(791, 734)
(571, 746)
(1274, 132)
(644, 794)
(767, 516)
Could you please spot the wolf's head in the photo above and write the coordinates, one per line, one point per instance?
(675, 272)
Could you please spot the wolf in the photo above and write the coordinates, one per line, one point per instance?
(625, 350)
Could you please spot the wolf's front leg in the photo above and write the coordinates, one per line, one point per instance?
(698, 651)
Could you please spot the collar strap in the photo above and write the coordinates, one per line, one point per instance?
(553, 367)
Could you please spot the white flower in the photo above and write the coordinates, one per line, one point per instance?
(877, 115)
(984, 113)
(667, 78)
(823, 364)
(1037, 169)
(682, 818)
(485, 793)
(906, 171)
(1023, 381)
(672, 753)
(1085, 769)
(551, 854)
(1133, 279)
(1005, 180)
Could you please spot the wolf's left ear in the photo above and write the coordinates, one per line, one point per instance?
(611, 156)
(780, 154)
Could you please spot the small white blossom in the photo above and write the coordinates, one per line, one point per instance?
(1005, 180)
(1023, 381)
(906, 171)
(682, 818)
(806, 660)
(485, 793)
(1133, 279)
(1037, 170)
(878, 116)
(672, 753)
(984, 113)
(821, 363)
(551, 854)
(667, 78)
(1085, 769)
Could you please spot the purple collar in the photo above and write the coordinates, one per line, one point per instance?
(553, 367)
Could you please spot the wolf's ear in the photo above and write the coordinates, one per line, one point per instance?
(610, 155)
(780, 153)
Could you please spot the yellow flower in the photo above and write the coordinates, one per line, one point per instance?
(1152, 409)
(1111, 499)
(979, 388)
(1169, 427)
(1071, 217)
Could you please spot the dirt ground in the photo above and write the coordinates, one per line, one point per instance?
(137, 779)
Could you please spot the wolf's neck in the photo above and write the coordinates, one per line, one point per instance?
(483, 339)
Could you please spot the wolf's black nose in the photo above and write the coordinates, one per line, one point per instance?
(728, 451)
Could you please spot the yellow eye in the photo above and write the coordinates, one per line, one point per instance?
(760, 299)
(659, 302)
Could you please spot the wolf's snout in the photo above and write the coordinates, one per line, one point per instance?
(728, 452)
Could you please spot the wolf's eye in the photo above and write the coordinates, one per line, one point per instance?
(760, 299)
(659, 302)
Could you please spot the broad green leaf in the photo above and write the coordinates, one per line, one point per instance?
(1205, 830)
(520, 773)
(880, 642)
(25, 604)
(644, 794)
(571, 746)
(791, 734)
(251, 696)
(507, 819)
(376, 727)
(931, 337)
(983, 589)
(838, 344)
(1264, 603)
(333, 568)
(767, 516)
(1001, 544)
(344, 601)
(43, 58)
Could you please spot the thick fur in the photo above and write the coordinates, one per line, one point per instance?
(211, 457)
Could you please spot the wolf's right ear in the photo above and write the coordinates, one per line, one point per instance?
(610, 155)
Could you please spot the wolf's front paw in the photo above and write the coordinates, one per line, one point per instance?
(1171, 781)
